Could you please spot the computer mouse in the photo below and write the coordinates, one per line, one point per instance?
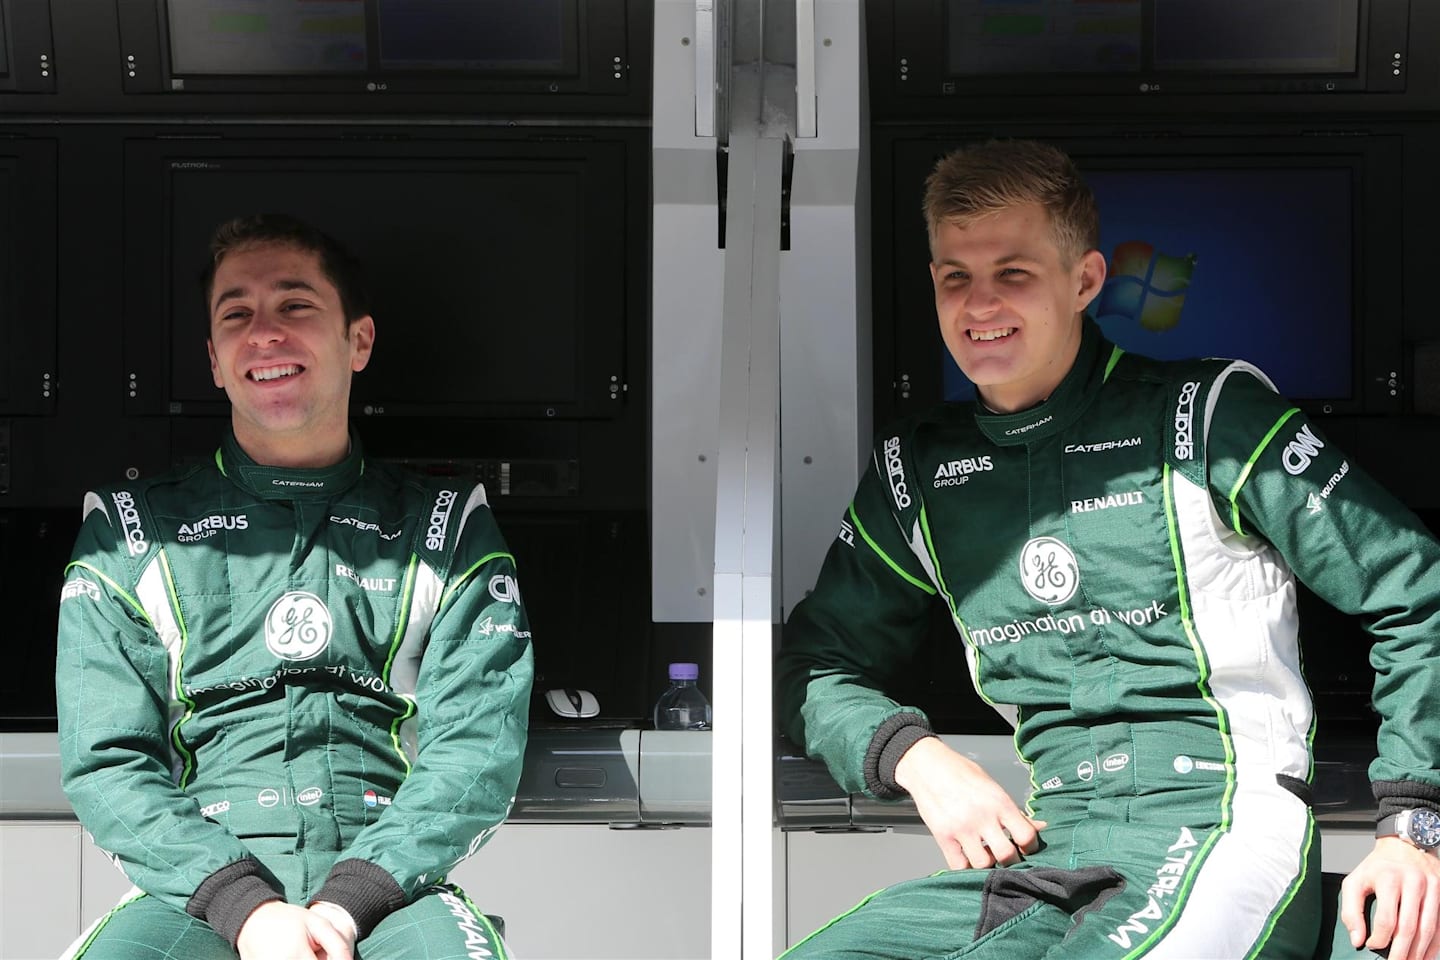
(572, 704)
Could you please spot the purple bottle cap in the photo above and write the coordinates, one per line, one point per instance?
(684, 671)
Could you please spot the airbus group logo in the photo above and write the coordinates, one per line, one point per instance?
(298, 626)
(1049, 571)
(955, 472)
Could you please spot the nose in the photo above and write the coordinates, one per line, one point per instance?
(265, 329)
(983, 300)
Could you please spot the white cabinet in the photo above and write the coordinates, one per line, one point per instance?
(586, 892)
(39, 888)
(101, 883)
(829, 873)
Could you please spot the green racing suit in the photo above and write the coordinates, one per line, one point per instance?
(1117, 562)
(308, 684)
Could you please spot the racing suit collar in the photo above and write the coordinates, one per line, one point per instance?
(1064, 406)
(288, 483)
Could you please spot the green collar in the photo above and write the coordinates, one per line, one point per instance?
(1065, 405)
(288, 483)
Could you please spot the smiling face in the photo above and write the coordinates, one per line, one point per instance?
(1009, 306)
(282, 351)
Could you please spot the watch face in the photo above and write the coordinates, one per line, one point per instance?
(1425, 828)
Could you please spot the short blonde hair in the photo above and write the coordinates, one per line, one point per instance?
(983, 179)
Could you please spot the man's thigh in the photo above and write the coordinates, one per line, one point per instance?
(912, 920)
(1114, 891)
(999, 914)
(143, 928)
(442, 924)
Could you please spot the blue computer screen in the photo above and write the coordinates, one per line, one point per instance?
(1253, 263)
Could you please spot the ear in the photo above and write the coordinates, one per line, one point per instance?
(1091, 270)
(935, 274)
(362, 342)
(214, 364)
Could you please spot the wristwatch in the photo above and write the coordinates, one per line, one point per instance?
(1419, 826)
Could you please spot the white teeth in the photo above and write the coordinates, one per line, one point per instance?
(991, 334)
(274, 373)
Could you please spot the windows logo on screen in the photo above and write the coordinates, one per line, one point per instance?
(1145, 286)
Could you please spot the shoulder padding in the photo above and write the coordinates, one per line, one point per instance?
(447, 506)
(894, 463)
(1194, 388)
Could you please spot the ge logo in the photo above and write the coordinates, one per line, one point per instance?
(504, 588)
(298, 626)
(1049, 571)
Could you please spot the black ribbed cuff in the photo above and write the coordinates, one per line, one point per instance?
(228, 896)
(897, 734)
(1397, 795)
(364, 891)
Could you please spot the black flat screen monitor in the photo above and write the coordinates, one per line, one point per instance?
(1293, 37)
(267, 37)
(317, 38)
(1067, 48)
(483, 34)
(1281, 251)
(497, 270)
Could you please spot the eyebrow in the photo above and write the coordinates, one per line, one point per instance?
(1008, 258)
(235, 293)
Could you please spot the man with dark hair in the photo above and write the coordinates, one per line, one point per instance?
(293, 684)
(1114, 538)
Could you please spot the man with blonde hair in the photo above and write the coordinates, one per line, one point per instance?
(1114, 538)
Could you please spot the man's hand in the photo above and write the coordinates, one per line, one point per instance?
(970, 816)
(340, 919)
(1406, 885)
(282, 931)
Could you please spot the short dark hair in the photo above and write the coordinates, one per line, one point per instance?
(281, 229)
(981, 180)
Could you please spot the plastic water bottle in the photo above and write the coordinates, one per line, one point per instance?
(682, 706)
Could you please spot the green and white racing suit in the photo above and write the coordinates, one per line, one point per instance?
(1118, 564)
(284, 683)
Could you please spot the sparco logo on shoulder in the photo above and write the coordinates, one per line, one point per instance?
(895, 470)
(130, 523)
(1185, 422)
(439, 519)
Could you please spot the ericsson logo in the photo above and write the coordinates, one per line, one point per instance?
(298, 626)
(130, 523)
(1049, 571)
(439, 518)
